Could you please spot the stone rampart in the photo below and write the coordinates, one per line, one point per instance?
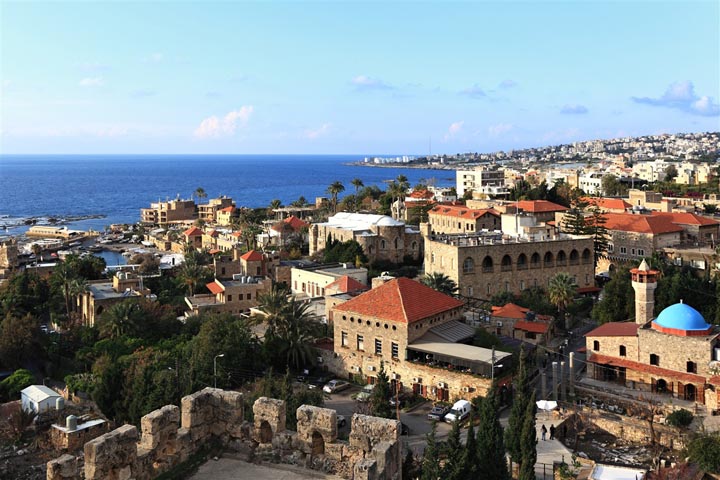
(170, 435)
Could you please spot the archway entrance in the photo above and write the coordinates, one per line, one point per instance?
(318, 444)
(661, 386)
(690, 392)
(266, 433)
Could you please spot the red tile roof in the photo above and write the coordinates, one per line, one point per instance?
(227, 209)
(346, 284)
(295, 223)
(685, 218)
(252, 256)
(421, 195)
(213, 233)
(534, 327)
(214, 251)
(236, 234)
(215, 287)
(539, 206)
(645, 368)
(462, 211)
(607, 203)
(615, 329)
(192, 232)
(400, 300)
(510, 310)
(628, 222)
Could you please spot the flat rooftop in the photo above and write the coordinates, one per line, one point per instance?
(103, 291)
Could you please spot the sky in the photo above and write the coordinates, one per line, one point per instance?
(351, 77)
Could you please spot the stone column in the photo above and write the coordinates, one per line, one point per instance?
(562, 381)
(543, 385)
(571, 374)
(555, 381)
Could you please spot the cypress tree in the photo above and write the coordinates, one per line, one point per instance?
(490, 444)
(431, 457)
(454, 451)
(528, 443)
(409, 468)
(380, 398)
(521, 396)
(470, 458)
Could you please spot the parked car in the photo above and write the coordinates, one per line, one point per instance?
(459, 411)
(318, 382)
(401, 399)
(438, 412)
(365, 393)
(341, 421)
(334, 386)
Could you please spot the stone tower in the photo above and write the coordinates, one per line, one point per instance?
(644, 282)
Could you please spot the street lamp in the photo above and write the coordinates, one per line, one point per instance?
(215, 367)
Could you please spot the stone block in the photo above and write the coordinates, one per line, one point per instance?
(63, 467)
(334, 451)
(365, 469)
(387, 456)
(367, 431)
(160, 427)
(268, 413)
(315, 419)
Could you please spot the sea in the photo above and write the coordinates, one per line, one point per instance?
(94, 191)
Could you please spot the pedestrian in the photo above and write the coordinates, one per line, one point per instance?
(552, 432)
(543, 432)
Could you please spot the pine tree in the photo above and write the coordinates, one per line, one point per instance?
(431, 457)
(521, 395)
(596, 228)
(574, 219)
(490, 444)
(454, 451)
(528, 443)
(380, 398)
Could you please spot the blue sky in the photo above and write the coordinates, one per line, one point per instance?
(346, 77)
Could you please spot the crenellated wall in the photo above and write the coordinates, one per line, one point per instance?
(170, 435)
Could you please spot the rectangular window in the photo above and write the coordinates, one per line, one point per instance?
(623, 250)
(641, 252)
(395, 350)
(632, 251)
(522, 284)
(654, 359)
(343, 340)
(596, 346)
(378, 346)
(691, 367)
(360, 342)
(249, 296)
(229, 298)
(623, 351)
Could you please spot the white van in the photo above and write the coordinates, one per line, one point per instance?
(459, 411)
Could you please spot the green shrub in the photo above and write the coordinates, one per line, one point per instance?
(10, 387)
(680, 418)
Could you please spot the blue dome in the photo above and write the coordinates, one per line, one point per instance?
(681, 317)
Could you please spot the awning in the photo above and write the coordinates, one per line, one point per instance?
(456, 353)
(453, 331)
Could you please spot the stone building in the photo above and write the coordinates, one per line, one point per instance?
(381, 237)
(162, 213)
(676, 354)
(207, 212)
(417, 333)
(514, 321)
(485, 264)
(8, 257)
(312, 280)
(235, 296)
(101, 294)
(460, 219)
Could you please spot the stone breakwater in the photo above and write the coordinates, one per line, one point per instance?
(170, 435)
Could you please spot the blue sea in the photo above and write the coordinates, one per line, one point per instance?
(118, 186)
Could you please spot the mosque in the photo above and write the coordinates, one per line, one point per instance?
(676, 354)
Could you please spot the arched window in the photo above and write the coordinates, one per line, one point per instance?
(548, 261)
(396, 243)
(382, 244)
(574, 257)
(506, 263)
(487, 264)
(586, 256)
(623, 351)
(535, 260)
(522, 262)
(413, 245)
(561, 257)
(468, 265)
(596, 345)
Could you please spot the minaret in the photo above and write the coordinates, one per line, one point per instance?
(644, 282)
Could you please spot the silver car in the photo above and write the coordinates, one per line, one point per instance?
(334, 386)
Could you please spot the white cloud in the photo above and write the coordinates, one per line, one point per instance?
(507, 83)
(312, 134)
(574, 109)
(682, 96)
(92, 82)
(214, 127)
(499, 129)
(454, 129)
(474, 92)
(363, 82)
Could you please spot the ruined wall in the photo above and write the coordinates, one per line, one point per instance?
(168, 436)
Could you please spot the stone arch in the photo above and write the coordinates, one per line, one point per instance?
(535, 260)
(661, 385)
(468, 265)
(690, 392)
(487, 264)
(549, 259)
(382, 244)
(574, 257)
(506, 263)
(266, 432)
(522, 262)
(318, 444)
(586, 255)
(561, 257)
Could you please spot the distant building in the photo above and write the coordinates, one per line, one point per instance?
(234, 296)
(101, 294)
(482, 180)
(40, 399)
(162, 213)
(514, 321)
(461, 219)
(207, 212)
(380, 236)
(312, 281)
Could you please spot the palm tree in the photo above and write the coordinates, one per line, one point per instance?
(120, 319)
(397, 190)
(191, 273)
(272, 305)
(358, 184)
(440, 282)
(334, 189)
(561, 291)
(200, 193)
(300, 329)
(274, 205)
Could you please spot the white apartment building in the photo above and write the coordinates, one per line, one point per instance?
(481, 180)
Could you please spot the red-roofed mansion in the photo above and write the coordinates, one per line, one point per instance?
(676, 354)
(417, 333)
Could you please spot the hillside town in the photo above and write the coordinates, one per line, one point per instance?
(553, 314)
